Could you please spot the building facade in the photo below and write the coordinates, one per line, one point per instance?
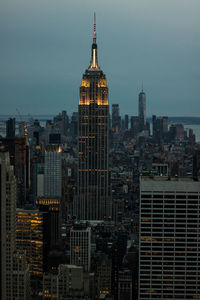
(52, 171)
(169, 266)
(8, 192)
(94, 200)
(32, 235)
(80, 246)
(142, 110)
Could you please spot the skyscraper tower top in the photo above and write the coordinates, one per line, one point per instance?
(94, 86)
(94, 58)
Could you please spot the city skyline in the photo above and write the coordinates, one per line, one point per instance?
(153, 42)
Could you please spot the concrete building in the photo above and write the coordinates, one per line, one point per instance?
(103, 271)
(69, 283)
(94, 200)
(21, 277)
(169, 241)
(80, 246)
(52, 171)
(7, 224)
(70, 280)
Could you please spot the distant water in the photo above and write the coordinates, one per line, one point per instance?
(43, 118)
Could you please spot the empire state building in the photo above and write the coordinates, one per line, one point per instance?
(94, 197)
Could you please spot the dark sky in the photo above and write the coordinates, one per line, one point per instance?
(45, 48)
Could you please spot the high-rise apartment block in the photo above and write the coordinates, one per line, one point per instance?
(169, 265)
(94, 199)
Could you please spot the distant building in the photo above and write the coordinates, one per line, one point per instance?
(21, 276)
(142, 110)
(176, 131)
(7, 225)
(74, 124)
(55, 138)
(116, 119)
(135, 124)
(80, 246)
(103, 272)
(52, 171)
(10, 128)
(70, 281)
(126, 122)
(196, 164)
(52, 206)
(160, 126)
(125, 285)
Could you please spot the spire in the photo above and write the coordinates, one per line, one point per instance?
(94, 61)
(94, 37)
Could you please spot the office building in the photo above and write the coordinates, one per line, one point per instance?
(116, 119)
(142, 110)
(70, 281)
(7, 224)
(33, 236)
(52, 171)
(160, 126)
(19, 152)
(52, 207)
(126, 122)
(21, 278)
(10, 128)
(80, 246)
(169, 244)
(94, 200)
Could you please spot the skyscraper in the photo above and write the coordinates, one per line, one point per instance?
(169, 265)
(80, 245)
(7, 224)
(52, 171)
(142, 110)
(94, 201)
(116, 119)
(10, 128)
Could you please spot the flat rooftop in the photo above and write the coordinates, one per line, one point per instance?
(173, 184)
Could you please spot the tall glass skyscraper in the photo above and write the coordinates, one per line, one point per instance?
(142, 110)
(94, 201)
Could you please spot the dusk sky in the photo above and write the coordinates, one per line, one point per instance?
(46, 46)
